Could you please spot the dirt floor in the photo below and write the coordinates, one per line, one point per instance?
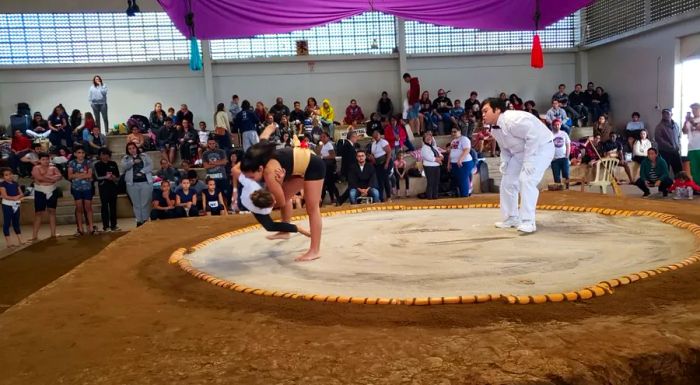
(126, 317)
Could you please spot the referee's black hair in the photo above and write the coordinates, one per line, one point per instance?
(495, 103)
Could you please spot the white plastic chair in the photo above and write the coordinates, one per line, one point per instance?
(604, 173)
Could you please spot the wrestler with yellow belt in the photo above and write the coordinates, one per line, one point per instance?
(286, 172)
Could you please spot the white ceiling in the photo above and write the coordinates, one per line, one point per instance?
(58, 6)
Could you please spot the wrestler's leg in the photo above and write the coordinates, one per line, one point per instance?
(312, 192)
(290, 187)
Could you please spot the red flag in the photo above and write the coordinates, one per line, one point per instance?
(537, 57)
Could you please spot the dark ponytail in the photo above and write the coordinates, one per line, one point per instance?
(257, 156)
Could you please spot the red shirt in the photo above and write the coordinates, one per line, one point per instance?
(413, 92)
(679, 183)
(389, 135)
(20, 143)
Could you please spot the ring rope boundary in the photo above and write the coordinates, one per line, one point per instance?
(598, 290)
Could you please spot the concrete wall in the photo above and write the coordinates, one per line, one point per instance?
(639, 72)
(135, 88)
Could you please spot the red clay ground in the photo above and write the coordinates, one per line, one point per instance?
(126, 317)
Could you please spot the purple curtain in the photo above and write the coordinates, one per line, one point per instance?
(221, 19)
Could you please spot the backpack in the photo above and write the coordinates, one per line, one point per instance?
(139, 121)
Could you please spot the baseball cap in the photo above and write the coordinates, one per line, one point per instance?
(556, 121)
(667, 110)
(695, 105)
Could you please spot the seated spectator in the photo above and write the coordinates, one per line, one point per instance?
(327, 117)
(570, 112)
(311, 108)
(600, 102)
(684, 186)
(20, 146)
(395, 133)
(75, 123)
(136, 137)
(467, 124)
(472, 104)
(456, 112)
(40, 127)
(483, 140)
(203, 136)
(577, 101)
(425, 112)
(58, 123)
(560, 95)
(442, 106)
(164, 202)
(633, 128)
(385, 108)
(189, 141)
(157, 117)
(602, 128)
(592, 150)
(279, 109)
(96, 141)
(375, 124)
(614, 149)
(653, 172)
(60, 158)
(297, 115)
(214, 161)
(530, 107)
(641, 146)
(184, 114)
(213, 200)
(164, 137)
(29, 160)
(82, 133)
(185, 167)
(556, 112)
(260, 111)
(172, 115)
(362, 179)
(186, 200)
(353, 113)
(270, 121)
(515, 102)
(283, 127)
(195, 183)
(168, 172)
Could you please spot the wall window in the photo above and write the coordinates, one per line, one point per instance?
(55, 38)
(429, 38)
(372, 33)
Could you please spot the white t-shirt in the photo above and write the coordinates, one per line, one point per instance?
(326, 149)
(250, 186)
(635, 126)
(457, 146)
(203, 137)
(561, 140)
(378, 148)
(693, 135)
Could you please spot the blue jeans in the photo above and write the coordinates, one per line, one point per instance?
(462, 176)
(560, 168)
(372, 192)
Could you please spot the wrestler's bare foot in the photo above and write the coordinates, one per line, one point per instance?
(278, 236)
(308, 256)
(303, 231)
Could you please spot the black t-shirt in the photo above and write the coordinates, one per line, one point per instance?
(139, 176)
(104, 168)
(442, 104)
(162, 202)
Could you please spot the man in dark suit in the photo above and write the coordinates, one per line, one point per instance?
(347, 150)
(362, 179)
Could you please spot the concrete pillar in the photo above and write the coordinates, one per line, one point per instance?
(208, 81)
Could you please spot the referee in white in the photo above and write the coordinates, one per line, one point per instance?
(526, 153)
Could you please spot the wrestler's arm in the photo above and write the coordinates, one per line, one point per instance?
(273, 184)
(267, 132)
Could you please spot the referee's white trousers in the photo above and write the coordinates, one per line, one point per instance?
(515, 181)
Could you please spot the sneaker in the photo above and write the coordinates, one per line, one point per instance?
(116, 228)
(527, 227)
(690, 197)
(106, 229)
(508, 223)
(646, 195)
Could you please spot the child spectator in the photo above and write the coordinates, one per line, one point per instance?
(401, 173)
(168, 172)
(375, 124)
(683, 186)
(163, 205)
(456, 112)
(80, 175)
(45, 197)
(213, 200)
(186, 200)
(107, 173)
(483, 139)
(11, 200)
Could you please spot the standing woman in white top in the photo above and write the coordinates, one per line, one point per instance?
(461, 164)
(432, 159)
(98, 101)
(327, 152)
(526, 152)
(381, 151)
